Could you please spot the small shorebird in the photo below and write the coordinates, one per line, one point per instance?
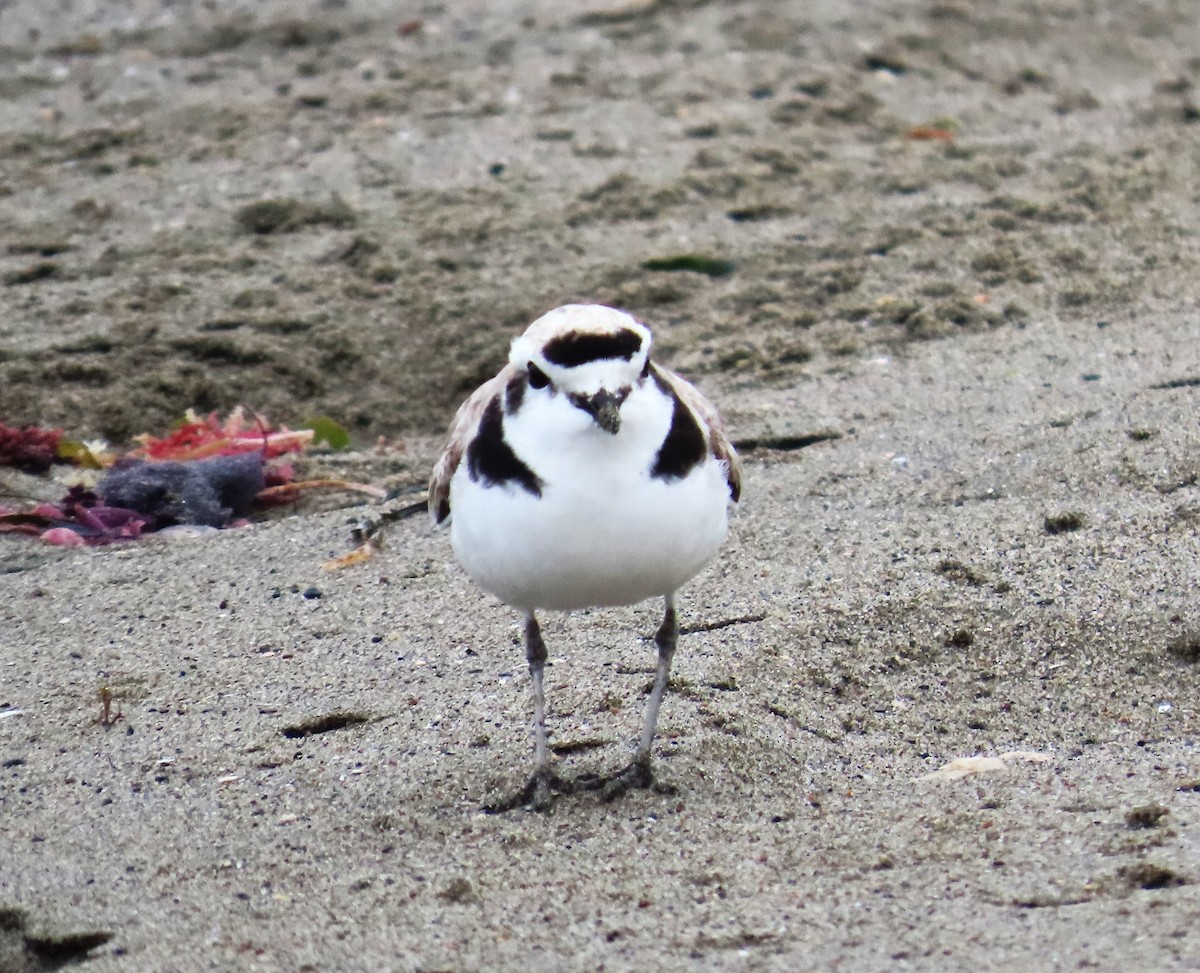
(585, 475)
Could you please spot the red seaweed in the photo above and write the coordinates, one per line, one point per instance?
(31, 449)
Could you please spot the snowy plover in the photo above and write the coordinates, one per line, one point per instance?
(585, 475)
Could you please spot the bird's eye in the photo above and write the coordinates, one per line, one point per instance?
(537, 378)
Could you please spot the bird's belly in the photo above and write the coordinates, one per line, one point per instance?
(600, 543)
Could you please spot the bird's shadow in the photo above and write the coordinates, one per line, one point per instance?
(537, 793)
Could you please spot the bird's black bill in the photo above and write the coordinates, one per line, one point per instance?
(604, 407)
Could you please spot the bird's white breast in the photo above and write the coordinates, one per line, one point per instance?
(603, 531)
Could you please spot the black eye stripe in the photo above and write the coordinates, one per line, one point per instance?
(579, 347)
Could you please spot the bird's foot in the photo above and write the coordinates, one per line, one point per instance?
(537, 792)
(637, 776)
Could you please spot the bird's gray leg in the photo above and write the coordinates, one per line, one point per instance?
(535, 655)
(638, 773)
(666, 638)
(538, 788)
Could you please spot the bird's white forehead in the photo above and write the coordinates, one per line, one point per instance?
(575, 319)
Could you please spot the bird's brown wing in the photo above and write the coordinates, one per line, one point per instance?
(462, 429)
(710, 419)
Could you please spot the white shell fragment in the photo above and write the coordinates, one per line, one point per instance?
(967, 766)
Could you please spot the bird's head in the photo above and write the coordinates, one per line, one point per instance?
(592, 355)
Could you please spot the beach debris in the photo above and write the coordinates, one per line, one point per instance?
(332, 434)
(962, 767)
(90, 454)
(287, 491)
(79, 519)
(31, 450)
(207, 472)
(210, 492)
(199, 437)
(930, 133)
(367, 534)
(107, 716)
(358, 555)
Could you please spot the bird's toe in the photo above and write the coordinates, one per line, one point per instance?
(637, 776)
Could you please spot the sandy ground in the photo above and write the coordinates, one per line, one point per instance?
(991, 547)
